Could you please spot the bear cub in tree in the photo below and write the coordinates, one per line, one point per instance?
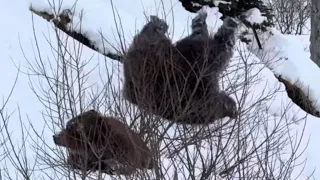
(91, 137)
(180, 83)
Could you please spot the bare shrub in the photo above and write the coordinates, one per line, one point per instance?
(291, 17)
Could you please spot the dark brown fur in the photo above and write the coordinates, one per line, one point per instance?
(88, 163)
(106, 138)
(180, 83)
(91, 164)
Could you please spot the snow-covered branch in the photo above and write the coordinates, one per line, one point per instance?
(292, 66)
(63, 21)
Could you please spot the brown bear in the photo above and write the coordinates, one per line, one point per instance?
(103, 138)
(180, 82)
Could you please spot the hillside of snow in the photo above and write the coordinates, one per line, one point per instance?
(18, 47)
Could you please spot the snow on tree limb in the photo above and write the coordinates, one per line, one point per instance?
(275, 51)
(233, 8)
(64, 23)
(285, 57)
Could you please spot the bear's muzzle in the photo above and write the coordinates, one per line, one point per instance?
(58, 140)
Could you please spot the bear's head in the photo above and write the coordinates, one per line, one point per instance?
(93, 135)
(82, 131)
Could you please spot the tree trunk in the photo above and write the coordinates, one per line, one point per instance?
(315, 32)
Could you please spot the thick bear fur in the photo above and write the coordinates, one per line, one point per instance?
(88, 163)
(91, 164)
(91, 136)
(180, 83)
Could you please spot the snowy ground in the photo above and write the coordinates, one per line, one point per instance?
(17, 32)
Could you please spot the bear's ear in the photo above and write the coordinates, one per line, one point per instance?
(70, 123)
(93, 111)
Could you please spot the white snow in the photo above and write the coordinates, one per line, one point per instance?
(195, 4)
(254, 16)
(217, 2)
(212, 20)
(107, 28)
(98, 15)
(286, 56)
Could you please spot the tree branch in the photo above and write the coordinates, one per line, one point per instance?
(61, 22)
